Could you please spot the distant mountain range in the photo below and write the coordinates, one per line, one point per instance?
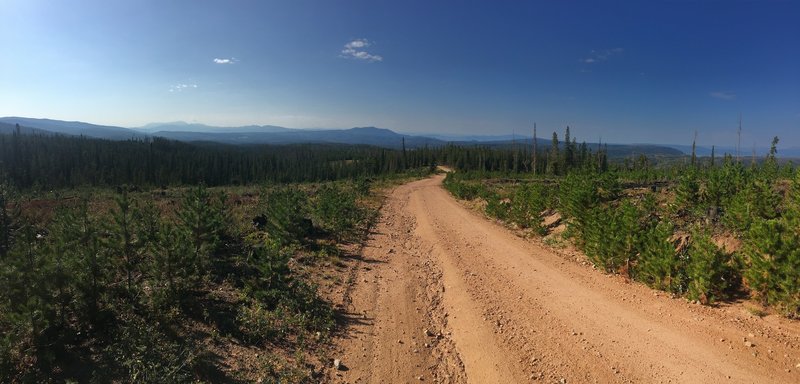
(269, 134)
(75, 128)
(181, 126)
(245, 135)
(744, 152)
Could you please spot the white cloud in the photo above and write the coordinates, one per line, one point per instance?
(358, 43)
(225, 61)
(723, 95)
(355, 50)
(182, 87)
(601, 55)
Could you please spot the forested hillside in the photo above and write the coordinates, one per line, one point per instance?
(38, 161)
(35, 161)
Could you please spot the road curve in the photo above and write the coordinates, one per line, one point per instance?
(444, 295)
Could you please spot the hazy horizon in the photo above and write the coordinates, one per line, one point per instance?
(629, 72)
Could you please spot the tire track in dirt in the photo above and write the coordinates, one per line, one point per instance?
(512, 310)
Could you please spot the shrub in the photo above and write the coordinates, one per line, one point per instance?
(755, 200)
(527, 204)
(147, 355)
(710, 271)
(27, 310)
(171, 269)
(278, 304)
(497, 207)
(336, 210)
(610, 236)
(461, 189)
(580, 193)
(259, 324)
(90, 262)
(277, 370)
(9, 220)
(659, 265)
(204, 221)
(122, 243)
(271, 274)
(687, 192)
(285, 213)
(772, 252)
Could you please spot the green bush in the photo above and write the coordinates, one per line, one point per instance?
(171, 268)
(772, 252)
(271, 273)
(273, 285)
(659, 265)
(711, 272)
(610, 236)
(204, 221)
(259, 324)
(461, 189)
(9, 220)
(756, 200)
(687, 192)
(285, 213)
(580, 193)
(148, 355)
(527, 204)
(336, 210)
(497, 206)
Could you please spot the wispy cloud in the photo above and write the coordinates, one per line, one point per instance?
(601, 55)
(182, 87)
(723, 95)
(355, 49)
(218, 60)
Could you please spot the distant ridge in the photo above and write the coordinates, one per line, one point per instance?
(182, 126)
(269, 134)
(76, 128)
(364, 135)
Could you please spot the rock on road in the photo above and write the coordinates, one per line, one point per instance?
(443, 295)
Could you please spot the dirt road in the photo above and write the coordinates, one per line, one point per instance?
(445, 295)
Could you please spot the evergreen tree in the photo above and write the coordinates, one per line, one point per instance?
(9, 221)
(26, 293)
(712, 156)
(553, 156)
(659, 265)
(122, 242)
(604, 159)
(770, 168)
(569, 152)
(91, 262)
(171, 269)
(710, 271)
(203, 222)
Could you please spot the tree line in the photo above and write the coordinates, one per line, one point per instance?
(42, 162)
(55, 161)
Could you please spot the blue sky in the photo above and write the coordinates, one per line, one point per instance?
(626, 71)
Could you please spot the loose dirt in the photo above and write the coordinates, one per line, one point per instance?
(444, 295)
